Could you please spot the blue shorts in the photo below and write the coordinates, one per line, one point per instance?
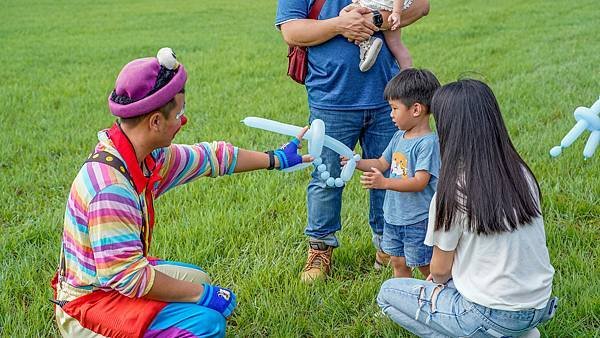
(407, 241)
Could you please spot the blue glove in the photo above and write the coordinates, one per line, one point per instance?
(219, 299)
(288, 154)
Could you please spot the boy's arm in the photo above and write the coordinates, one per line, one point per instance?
(367, 164)
(395, 16)
(397, 8)
(376, 180)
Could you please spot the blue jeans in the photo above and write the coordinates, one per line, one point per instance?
(374, 129)
(407, 241)
(409, 302)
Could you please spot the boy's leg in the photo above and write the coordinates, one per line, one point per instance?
(325, 203)
(392, 244)
(377, 133)
(400, 268)
(393, 39)
(417, 254)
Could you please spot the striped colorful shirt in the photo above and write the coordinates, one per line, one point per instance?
(103, 218)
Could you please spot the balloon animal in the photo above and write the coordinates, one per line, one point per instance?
(587, 118)
(316, 141)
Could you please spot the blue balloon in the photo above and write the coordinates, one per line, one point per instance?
(587, 119)
(316, 141)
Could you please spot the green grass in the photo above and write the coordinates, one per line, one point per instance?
(60, 60)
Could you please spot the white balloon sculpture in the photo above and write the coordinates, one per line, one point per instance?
(587, 118)
(316, 140)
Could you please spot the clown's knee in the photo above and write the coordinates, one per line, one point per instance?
(210, 324)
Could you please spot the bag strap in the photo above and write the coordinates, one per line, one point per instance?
(109, 159)
(113, 161)
(316, 9)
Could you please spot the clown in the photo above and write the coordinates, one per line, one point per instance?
(107, 285)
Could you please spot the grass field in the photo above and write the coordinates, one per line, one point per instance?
(59, 61)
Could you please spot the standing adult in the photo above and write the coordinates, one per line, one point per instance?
(107, 284)
(350, 103)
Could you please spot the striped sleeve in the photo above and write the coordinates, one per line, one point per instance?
(114, 223)
(181, 164)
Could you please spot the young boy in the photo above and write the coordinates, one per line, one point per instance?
(413, 158)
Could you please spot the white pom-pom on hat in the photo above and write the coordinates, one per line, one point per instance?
(166, 58)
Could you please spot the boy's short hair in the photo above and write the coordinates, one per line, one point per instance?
(412, 86)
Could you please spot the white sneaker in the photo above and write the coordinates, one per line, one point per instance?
(369, 50)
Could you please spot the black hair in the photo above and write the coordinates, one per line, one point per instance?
(164, 110)
(412, 86)
(482, 175)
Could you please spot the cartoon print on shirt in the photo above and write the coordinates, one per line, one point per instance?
(399, 167)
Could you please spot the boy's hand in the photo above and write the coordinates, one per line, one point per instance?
(219, 299)
(373, 179)
(394, 20)
(343, 160)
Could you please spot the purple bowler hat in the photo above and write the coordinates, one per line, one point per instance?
(147, 84)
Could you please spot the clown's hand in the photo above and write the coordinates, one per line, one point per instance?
(288, 153)
(219, 299)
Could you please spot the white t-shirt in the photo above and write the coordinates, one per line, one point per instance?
(508, 271)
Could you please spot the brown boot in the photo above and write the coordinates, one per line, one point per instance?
(381, 260)
(318, 263)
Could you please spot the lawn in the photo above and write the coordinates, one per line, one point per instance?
(60, 60)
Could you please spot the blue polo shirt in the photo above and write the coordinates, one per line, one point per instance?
(334, 80)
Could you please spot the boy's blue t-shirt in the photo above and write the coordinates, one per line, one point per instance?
(406, 157)
(334, 80)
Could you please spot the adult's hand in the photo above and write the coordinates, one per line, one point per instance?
(219, 299)
(356, 25)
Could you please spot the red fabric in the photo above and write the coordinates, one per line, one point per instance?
(113, 315)
(297, 56)
(142, 183)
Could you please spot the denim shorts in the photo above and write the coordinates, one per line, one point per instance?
(407, 241)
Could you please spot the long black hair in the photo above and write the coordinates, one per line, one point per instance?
(482, 175)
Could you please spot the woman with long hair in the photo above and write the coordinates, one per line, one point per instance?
(490, 272)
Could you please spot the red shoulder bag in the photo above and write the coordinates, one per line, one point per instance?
(297, 57)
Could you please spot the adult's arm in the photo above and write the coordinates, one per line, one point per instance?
(354, 25)
(168, 289)
(441, 265)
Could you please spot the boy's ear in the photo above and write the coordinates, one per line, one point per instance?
(418, 109)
